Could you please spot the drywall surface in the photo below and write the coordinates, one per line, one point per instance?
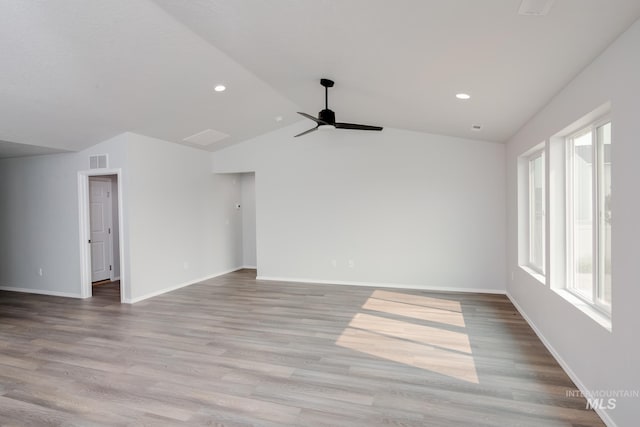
(39, 226)
(183, 225)
(388, 208)
(179, 221)
(598, 359)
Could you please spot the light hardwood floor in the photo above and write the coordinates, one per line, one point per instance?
(234, 351)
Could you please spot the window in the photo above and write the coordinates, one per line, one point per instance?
(536, 212)
(531, 212)
(588, 214)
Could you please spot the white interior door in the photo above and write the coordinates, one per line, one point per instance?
(100, 219)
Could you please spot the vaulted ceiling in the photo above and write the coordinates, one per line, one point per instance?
(77, 72)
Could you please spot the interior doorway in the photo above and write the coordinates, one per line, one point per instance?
(100, 204)
(248, 197)
(103, 229)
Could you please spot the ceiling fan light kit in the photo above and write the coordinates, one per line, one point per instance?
(326, 119)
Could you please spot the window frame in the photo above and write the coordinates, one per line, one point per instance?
(597, 254)
(526, 212)
(539, 153)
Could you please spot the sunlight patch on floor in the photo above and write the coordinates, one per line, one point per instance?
(445, 350)
(415, 311)
(438, 303)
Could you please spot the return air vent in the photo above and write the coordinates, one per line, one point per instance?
(206, 137)
(98, 162)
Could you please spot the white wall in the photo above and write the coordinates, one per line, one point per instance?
(174, 211)
(248, 207)
(598, 359)
(183, 226)
(39, 219)
(407, 208)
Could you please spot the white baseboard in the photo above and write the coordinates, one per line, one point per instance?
(601, 412)
(248, 267)
(40, 292)
(173, 288)
(383, 285)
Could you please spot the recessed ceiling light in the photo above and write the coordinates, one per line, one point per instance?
(463, 96)
(279, 118)
(220, 88)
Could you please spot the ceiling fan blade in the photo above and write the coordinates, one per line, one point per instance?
(356, 126)
(310, 117)
(306, 132)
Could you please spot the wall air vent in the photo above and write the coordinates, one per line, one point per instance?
(99, 161)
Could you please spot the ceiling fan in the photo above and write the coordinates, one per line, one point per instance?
(327, 118)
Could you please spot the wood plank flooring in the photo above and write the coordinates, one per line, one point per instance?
(106, 290)
(233, 351)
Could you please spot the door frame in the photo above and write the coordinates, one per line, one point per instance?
(85, 231)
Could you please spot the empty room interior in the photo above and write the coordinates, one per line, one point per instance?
(319, 213)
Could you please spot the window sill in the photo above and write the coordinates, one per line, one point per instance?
(599, 317)
(535, 274)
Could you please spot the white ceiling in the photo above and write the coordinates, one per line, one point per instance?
(76, 72)
(12, 149)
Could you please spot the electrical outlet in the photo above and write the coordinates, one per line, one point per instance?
(351, 263)
(40, 271)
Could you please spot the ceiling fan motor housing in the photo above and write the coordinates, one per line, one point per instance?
(327, 116)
